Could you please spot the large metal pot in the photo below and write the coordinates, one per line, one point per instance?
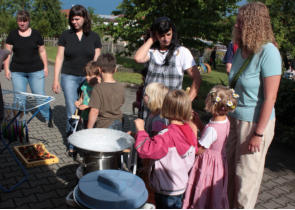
(101, 160)
(102, 148)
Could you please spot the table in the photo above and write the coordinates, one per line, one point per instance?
(21, 102)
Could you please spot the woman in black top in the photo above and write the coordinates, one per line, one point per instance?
(29, 60)
(76, 47)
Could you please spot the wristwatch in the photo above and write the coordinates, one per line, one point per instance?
(256, 134)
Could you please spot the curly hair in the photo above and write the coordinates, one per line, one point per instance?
(253, 27)
(79, 10)
(221, 100)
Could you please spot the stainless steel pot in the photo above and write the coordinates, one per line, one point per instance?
(101, 160)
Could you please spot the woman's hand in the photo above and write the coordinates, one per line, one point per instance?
(45, 71)
(139, 124)
(8, 74)
(254, 144)
(56, 87)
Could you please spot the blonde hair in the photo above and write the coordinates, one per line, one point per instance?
(253, 27)
(177, 106)
(156, 93)
(221, 100)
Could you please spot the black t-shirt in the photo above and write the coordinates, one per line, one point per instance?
(26, 56)
(78, 53)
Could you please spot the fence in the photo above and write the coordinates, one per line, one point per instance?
(107, 46)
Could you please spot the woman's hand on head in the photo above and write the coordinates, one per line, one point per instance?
(56, 87)
(153, 37)
(139, 124)
(254, 144)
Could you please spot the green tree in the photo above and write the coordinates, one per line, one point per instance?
(193, 19)
(47, 18)
(96, 22)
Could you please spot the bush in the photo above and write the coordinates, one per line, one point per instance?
(285, 119)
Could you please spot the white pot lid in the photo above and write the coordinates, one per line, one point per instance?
(101, 140)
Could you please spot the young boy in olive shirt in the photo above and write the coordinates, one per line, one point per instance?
(107, 97)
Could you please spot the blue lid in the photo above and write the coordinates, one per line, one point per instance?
(114, 189)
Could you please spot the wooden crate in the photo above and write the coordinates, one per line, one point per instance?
(29, 155)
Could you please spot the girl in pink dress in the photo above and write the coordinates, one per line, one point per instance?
(207, 185)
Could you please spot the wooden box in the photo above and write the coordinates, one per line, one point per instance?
(35, 155)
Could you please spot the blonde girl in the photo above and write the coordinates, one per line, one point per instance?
(172, 150)
(153, 98)
(207, 185)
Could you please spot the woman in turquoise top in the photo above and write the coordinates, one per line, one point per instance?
(252, 123)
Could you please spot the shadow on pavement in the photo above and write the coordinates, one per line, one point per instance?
(280, 157)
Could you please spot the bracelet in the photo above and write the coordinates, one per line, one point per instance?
(256, 134)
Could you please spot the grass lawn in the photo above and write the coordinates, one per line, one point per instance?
(208, 80)
(51, 53)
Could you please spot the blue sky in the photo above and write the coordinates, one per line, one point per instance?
(102, 7)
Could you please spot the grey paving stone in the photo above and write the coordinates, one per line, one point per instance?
(33, 190)
(7, 204)
(59, 203)
(47, 204)
(277, 192)
(272, 205)
(289, 206)
(20, 201)
(283, 200)
(264, 196)
(291, 196)
(46, 196)
(281, 180)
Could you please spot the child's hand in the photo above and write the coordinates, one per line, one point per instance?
(131, 133)
(77, 104)
(83, 107)
(99, 80)
(139, 124)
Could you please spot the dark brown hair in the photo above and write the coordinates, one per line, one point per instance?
(79, 10)
(177, 106)
(92, 68)
(23, 15)
(107, 63)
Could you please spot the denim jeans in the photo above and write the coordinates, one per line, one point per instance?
(116, 125)
(36, 81)
(70, 85)
(168, 201)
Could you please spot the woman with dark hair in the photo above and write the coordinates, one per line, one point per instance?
(167, 60)
(76, 47)
(255, 75)
(29, 60)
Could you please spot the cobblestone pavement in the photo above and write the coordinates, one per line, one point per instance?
(48, 186)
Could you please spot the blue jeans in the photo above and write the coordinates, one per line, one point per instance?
(70, 85)
(168, 201)
(116, 125)
(36, 81)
